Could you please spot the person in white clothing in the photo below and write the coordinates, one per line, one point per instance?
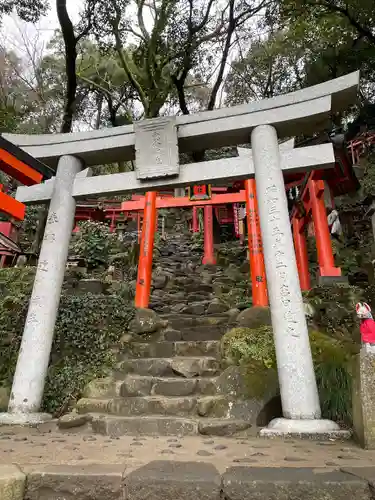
(334, 224)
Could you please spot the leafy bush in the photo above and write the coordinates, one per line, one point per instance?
(368, 179)
(334, 309)
(332, 361)
(251, 348)
(240, 345)
(94, 243)
(87, 328)
(15, 289)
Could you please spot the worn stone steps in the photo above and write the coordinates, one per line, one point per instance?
(184, 366)
(193, 334)
(196, 334)
(215, 406)
(195, 348)
(143, 385)
(203, 333)
(172, 381)
(184, 321)
(156, 425)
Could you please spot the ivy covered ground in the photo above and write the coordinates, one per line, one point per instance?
(89, 326)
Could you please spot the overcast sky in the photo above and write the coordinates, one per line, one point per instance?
(12, 26)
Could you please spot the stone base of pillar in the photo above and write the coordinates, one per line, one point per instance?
(209, 261)
(24, 418)
(332, 280)
(308, 429)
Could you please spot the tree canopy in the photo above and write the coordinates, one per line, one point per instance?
(130, 59)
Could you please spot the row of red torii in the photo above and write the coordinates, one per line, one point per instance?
(311, 208)
(314, 188)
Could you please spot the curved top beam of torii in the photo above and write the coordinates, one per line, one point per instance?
(298, 112)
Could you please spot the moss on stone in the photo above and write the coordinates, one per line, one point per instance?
(4, 398)
(99, 388)
(253, 350)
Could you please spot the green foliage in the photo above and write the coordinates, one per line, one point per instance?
(242, 344)
(332, 361)
(270, 67)
(253, 349)
(87, 329)
(334, 309)
(28, 10)
(93, 243)
(238, 296)
(368, 180)
(15, 289)
(197, 241)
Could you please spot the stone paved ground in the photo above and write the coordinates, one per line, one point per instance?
(30, 448)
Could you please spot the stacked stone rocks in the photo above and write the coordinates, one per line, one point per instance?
(170, 379)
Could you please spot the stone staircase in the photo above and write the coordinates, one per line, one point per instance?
(172, 381)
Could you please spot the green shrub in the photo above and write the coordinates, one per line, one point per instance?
(240, 345)
(94, 243)
(15, 289)
(87, 329)
(334, 308)
(254, 348)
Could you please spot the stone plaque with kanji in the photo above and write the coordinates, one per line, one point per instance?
(156, 148)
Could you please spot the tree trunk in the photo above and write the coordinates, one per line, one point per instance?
(99, 112)
(70, 42)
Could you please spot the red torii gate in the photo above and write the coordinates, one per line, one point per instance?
(312, 207)
(27, 170)
(24, 168)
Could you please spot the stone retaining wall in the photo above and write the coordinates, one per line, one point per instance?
(184, 481)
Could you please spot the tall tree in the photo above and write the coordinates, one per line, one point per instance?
(270, 67)
(28, 10)
(71, 41)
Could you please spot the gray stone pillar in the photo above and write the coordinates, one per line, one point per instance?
(299, 394)
(29, 378)
(363, 399)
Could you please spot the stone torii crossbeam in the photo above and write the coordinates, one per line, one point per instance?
(155, 144)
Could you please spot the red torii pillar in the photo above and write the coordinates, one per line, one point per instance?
(144, 278)
(209, 254)
(257, 268)
(322, 235)
(300, 247)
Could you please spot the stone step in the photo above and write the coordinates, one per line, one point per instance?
(208, 333)
(182, 366)
(184, 321)
(193, 406)
(170, 349)
(115, 426)
(194, 334)
(143, 385)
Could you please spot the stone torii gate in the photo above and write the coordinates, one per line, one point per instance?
(155, 144)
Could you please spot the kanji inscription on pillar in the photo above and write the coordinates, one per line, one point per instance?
(156, 148)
